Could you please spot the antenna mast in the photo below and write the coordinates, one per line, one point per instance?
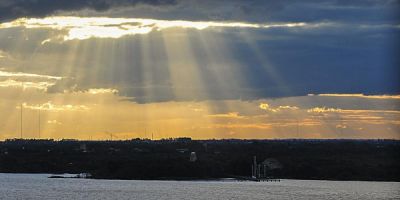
(22, 91)
(297, 128)
(39, 123)
(21, 121)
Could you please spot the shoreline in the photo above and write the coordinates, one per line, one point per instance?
(211, 160)
(227, 179)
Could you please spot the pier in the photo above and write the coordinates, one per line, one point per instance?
(246, 178)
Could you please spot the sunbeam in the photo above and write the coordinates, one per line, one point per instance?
(158, 78)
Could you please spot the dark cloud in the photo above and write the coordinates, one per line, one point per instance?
(287, 10)
(11, 9)
(238, 10)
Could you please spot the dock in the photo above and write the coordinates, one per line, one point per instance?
(246, 178)
(265, 180)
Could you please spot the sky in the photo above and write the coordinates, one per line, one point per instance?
(254, 69)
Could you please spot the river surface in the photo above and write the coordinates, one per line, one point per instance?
(38, 186)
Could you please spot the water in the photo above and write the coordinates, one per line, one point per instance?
(38, 186)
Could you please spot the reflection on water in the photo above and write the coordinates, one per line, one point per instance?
(38, 186)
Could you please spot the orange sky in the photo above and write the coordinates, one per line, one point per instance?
(95, 114)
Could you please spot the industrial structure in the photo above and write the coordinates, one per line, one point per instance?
(262, 171)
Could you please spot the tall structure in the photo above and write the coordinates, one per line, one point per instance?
(110, 134)
(21, 120)
(22, 91)
(39, 123)
(263, 169)
(254, 167)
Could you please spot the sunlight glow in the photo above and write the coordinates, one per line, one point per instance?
(27, 75)
(49, 106)
(43, 85)
(102, 91)
(177, 81)
(103, 27)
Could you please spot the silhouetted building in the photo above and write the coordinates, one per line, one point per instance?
(193, 157)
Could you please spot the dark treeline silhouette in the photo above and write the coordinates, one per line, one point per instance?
(377, 160)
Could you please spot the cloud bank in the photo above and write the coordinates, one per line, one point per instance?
(12, 9)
